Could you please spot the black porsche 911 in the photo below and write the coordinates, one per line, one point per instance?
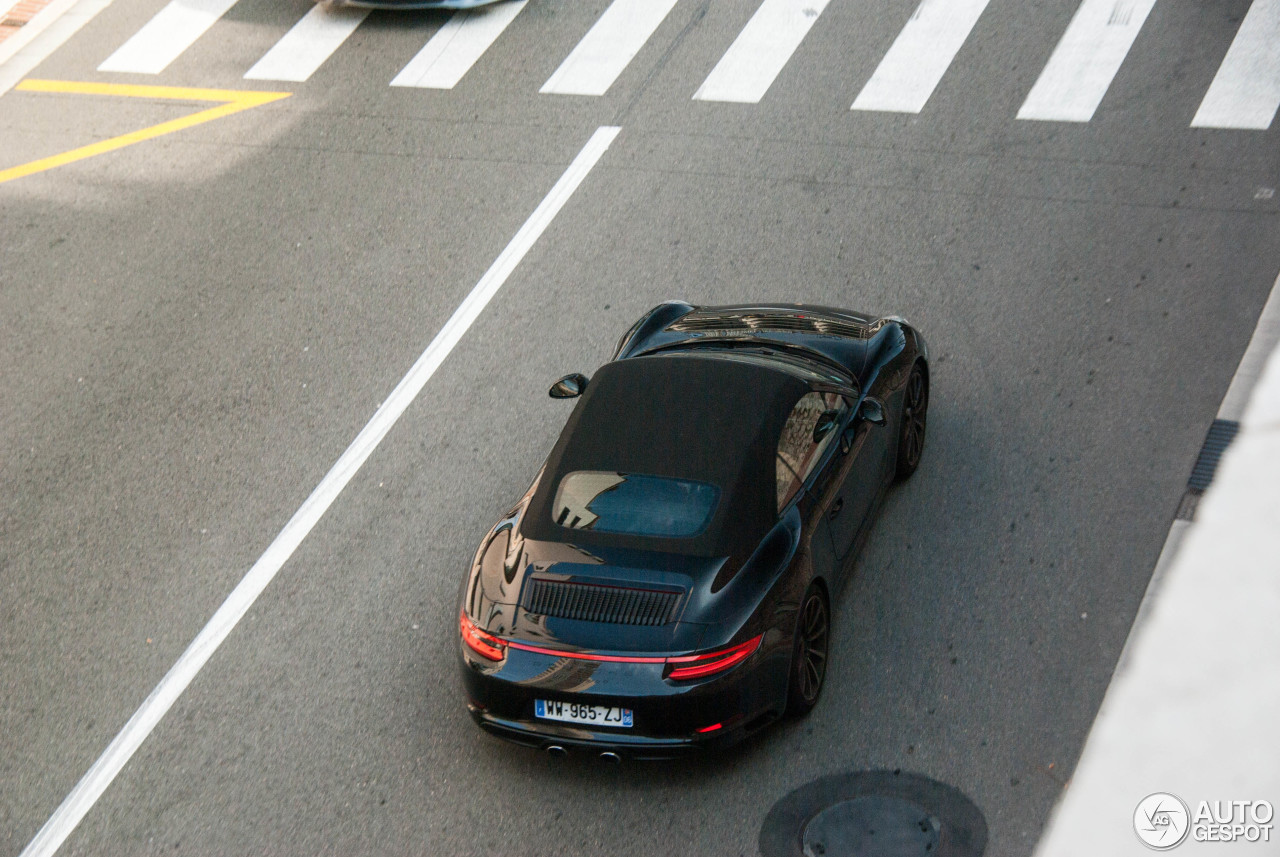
(666, 582)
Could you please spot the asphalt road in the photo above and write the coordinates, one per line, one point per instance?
(194, 328)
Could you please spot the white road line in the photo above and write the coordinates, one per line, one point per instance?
(42, 35)
(144, 720)
(1086, 59)
(920, 56)
(608, 47)
(162, 39)
(457, 45)
(1245, 92)
(311, 41)
(757, 56)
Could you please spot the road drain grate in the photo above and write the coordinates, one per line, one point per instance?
(1221, 433)
(874, 814)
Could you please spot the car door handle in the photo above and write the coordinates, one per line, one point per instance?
(835, 508)
(846, 439)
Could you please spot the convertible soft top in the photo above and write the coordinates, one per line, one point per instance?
(701, 416)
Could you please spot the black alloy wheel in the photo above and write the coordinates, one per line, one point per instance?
(809, 655)
(915, 413)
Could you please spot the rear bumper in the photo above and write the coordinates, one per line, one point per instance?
(671, 718)
(543, 736)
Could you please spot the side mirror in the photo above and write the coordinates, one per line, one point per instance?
(568, 387)
(827, 421)
(872, 410)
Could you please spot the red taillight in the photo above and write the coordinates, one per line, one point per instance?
(683, 667)
(481, 642)
(713, 727)
(701, 666)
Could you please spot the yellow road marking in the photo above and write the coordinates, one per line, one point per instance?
(233, 101)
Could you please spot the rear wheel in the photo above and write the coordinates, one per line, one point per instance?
(809, 653)
(915, 412)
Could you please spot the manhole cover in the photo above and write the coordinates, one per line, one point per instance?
(872, 827)
(874, 814)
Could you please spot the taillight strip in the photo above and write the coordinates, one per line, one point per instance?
(481, 642)
(701, 666)
(587, 656)
(691, 666)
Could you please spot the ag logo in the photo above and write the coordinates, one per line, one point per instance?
(1161, 821)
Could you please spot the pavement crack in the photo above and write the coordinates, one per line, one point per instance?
(624, 112)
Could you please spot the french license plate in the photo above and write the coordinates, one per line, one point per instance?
(573, 712)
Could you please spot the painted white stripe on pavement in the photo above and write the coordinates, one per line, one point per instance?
(42, 35)
(162, 39)
(305, 48)
(457, 45)
(757, 56)
(608, 47)
(1086, 60)
(920, 56)
(180, 675)
(1245, 92)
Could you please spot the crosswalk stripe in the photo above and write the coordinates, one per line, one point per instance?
(1245, 92)
(305, 48)
(757, 56)
(457, 45)
(162, 39)
(919, 57)
(608, 47)
(1085, 61)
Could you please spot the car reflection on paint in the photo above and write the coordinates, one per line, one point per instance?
(666, 582)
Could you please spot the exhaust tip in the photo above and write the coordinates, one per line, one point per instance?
(611, 757)
(557, 751)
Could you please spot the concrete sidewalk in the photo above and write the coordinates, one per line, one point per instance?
(1193, 709)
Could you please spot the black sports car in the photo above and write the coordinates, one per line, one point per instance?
(666, 582)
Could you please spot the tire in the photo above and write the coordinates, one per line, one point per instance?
(809, 652)
(915, 413)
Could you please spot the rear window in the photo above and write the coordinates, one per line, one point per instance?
(633, 504)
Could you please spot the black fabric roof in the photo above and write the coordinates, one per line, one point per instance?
(689, 416)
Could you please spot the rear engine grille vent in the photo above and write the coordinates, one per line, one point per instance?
(594, 602)
(699, 323)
